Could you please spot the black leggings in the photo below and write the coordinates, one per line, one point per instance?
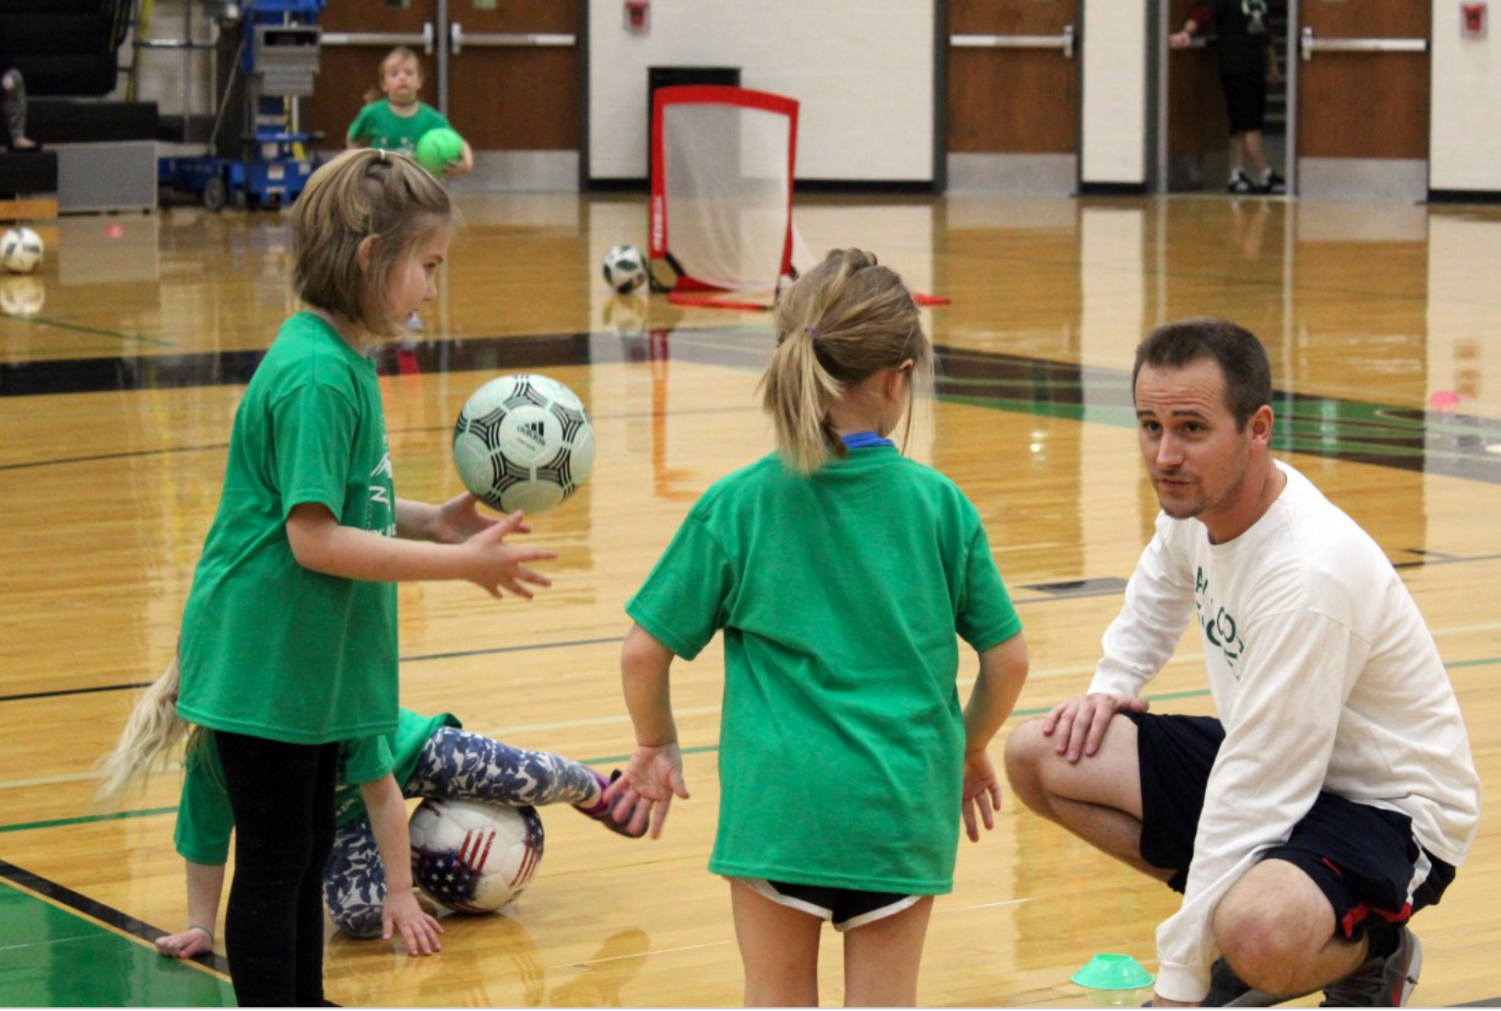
(283, 800)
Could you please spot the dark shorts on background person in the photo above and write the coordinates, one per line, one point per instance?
(845, 908)
(1245, 100)
(1364, 859)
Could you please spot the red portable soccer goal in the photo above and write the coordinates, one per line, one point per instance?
(723, 160)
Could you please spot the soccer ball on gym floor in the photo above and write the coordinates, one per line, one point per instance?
(20, 250)
(523, 442)
(471, 856)
(624, 269)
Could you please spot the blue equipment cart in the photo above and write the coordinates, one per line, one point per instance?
(258, 153)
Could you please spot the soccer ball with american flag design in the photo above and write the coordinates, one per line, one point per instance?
(474, 857)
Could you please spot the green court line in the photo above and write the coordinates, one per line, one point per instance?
(86, 819)
(92, 330)
(1483, 661)
(1194, 693)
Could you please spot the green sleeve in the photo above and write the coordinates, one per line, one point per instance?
(205, 820)
(986, 616)
(357, 128)
(367, 760)
(434, 120)
(683, 602)
(314, 428)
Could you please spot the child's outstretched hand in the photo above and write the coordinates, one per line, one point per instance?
(458, 519)
(653, 777)
(419, 931)
(497, 564)
(982, 792)
(188, 943)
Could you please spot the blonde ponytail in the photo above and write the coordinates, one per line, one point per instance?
(153, 730)
(797, 391)
(838, 324)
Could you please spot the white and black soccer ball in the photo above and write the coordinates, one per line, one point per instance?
(523, 442)
(624, 269)
(471, 856)
(21, 250)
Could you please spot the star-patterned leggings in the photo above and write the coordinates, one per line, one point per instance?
(454, 764)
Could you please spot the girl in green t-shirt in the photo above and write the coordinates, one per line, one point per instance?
(840, 573)
(288, 643)
(398, 121)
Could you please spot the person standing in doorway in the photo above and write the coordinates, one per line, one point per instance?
(1248, 62)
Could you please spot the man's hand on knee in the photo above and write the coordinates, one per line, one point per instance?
(1079, 724)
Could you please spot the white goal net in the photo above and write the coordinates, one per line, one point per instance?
(722, 173)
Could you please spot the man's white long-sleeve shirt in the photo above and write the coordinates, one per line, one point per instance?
(1325, 677)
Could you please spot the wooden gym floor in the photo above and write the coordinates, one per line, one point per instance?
(124, 358)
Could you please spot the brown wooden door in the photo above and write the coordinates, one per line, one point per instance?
(1198, 127)
(1357, 103)
(513, 73)
(1012, 99)
(349, 74)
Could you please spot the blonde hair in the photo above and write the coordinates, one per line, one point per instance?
(838, 324)
(398, 53)
(358, 195)
(152, 731)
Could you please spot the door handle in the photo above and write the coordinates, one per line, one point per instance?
(1067, 40)
(424, 39)
(1308, 44)
(493, 40)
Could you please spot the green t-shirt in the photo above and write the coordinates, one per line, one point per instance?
(205, 819)
(378, 127)
(371, 758)
(842, 738)
(269, 648)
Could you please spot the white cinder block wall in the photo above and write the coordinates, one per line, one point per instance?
(1465, 146)
(1115, 92)
(862, 71)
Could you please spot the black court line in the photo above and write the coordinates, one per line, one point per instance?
(1072, 589)
(73, 691)
(419, 658)
(1404, 438)
(1099, 587)
(63, 461)
(78, 902)
(1423, 563)
(423, 658)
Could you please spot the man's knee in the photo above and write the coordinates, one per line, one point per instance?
(1271, 924)
(1025, 749)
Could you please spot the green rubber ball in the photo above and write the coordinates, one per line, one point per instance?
(438, 149)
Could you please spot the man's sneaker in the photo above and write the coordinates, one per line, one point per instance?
(1226, 989)
(604, 811)
(1273, 183)
(1381, 982)
(1239, 184)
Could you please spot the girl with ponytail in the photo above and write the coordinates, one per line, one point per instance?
(839, 572)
